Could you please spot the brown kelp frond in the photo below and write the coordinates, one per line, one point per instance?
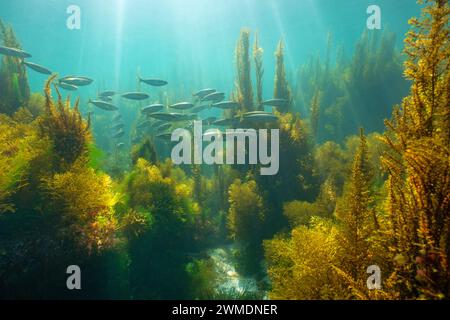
(259, 72)
(244, 90)
(282, 89)
(65, 127)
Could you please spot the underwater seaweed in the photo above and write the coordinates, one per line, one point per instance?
(145, 150)
(246, 216)
(244, 90)
(418, 164)
(300, 267)
(83, 203)
(259, 72)
(160, 252)
(356, 219)
(15, 90)
(149, 229)
(17, 147)
(68, 132)
(315, 114)
(350, 87)
(282, 89)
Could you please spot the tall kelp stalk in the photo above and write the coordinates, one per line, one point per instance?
(15, 90)
(69, 133)
(244, 90)
(259, 72)
(281, 85)
(418, 161)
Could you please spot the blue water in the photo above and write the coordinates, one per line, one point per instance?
(190, 43)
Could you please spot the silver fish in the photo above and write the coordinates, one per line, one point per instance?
(117, 117)
(165, 136)
(107, 93)
(117, 126)
(214, 97)
(120, 145)
(204, 92)
(143, 124)
(77, 81)
(224, 122)
(199, 108)
(255, 112)
(187, 117)
(14, 52)
(276, 102)
(209, 120)
(226, 105)
(153, 82)
(106, 99)
(182, 106)
(66, 77)
(66, 86)
(165, 116)
(158, 123)
(261, 117)
(37, 67)
(152, 108)
(103, 105)
(135, 96)
(119, 134)
(163, 127)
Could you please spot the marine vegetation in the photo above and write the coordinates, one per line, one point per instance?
(281, 89)
(244, 88)
(418, 162)
(15, 90)
(163, 196)
(259, 71)
(408, 215)
(354, 194)
(68, 132)
(349, 87)
(246, 220)
(50, 212)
